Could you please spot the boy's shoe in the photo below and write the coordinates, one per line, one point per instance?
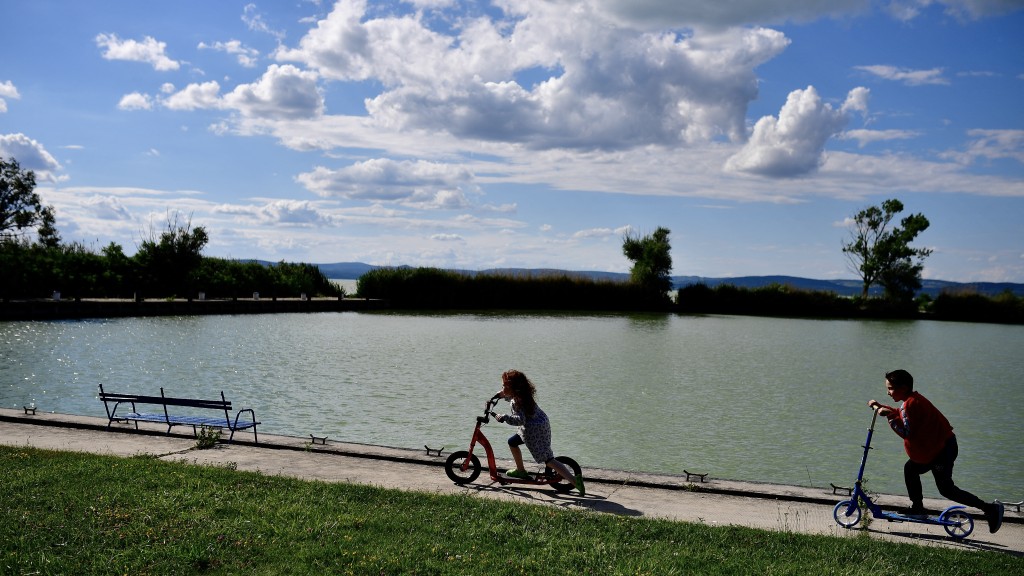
(994, 515)
(915, 511)
(579, 485)
(516, 473)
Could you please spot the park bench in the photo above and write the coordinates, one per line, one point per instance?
(113, 402)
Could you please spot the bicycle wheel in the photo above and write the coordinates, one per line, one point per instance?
(453, 467)
(562, 485)
(847, 513)
(962, 523)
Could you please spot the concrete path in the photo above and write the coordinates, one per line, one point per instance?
(714, 502)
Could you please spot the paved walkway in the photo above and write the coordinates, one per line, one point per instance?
(714, 502)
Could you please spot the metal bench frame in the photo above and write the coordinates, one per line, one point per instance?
(118, 399)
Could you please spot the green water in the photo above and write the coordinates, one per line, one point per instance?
(747, 398)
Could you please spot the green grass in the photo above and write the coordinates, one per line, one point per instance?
(71, 513)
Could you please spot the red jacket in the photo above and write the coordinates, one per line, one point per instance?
(923, 428)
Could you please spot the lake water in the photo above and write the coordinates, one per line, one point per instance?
(746, 398)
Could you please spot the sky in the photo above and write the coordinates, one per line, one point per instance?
(525, 133)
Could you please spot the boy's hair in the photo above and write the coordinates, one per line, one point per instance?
(900, 379)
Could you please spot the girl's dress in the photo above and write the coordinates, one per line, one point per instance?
(535, 432)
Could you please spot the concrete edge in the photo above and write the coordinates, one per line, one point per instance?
(712, 486)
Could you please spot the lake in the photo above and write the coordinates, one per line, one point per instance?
(746, 398)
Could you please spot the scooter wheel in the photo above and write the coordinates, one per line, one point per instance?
(960, 523)
(847, 513)
(453, 467)
(560, 483)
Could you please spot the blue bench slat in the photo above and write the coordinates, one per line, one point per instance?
(174, 420)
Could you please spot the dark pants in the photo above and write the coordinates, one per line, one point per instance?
(942, 469)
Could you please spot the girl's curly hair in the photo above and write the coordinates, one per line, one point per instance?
(521, 390)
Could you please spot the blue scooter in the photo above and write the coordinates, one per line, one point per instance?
(955, 520)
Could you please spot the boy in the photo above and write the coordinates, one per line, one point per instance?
(931, 445)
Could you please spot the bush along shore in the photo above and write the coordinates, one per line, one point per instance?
(445, 290)
(435, 289)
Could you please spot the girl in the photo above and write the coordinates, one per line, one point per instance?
(534, 428)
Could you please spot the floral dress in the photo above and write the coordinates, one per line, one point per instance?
(535, 432)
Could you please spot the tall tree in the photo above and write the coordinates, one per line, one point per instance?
(171, 261)
(652, 260)
(20, 207)
(881, 253)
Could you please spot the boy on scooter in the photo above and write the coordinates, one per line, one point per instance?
(931, 445)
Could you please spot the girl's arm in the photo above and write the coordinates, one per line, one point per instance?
(514, 419)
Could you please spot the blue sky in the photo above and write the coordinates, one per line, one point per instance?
(526, 133)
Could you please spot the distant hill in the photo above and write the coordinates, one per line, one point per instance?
(851, 287)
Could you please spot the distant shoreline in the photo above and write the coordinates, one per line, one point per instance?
(51, 309)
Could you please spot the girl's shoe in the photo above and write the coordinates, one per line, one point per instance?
(516, 473)
(579, 485)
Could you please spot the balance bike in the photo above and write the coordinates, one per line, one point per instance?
(955, 520)
(463, 466)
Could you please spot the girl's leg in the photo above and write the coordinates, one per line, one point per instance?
(517, 455)
(566, 473)
(562, 470)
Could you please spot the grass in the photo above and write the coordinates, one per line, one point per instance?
(72, 513)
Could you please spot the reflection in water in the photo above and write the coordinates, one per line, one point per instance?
(759, 399)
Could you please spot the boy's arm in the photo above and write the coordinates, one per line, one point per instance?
(899, 421)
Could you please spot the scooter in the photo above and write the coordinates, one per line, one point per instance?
(463, 466)
(955, 520)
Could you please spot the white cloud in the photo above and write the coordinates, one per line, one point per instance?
(246, 56)
(7, 90)
(906, 75)
(254, 20)
(149, 51)
(991, 145)
(31, 155)
(292, 212)
(107, 208)
(195, 97)
(418, 184)
(283, 92)
(793, 144)
(865, 137)
(595, 84)
(447, 238)
(603, 232)
(136, 101)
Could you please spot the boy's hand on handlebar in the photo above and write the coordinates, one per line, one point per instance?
(876, 405)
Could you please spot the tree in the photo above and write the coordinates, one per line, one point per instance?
(652, 261)
(170, 262)
(882, 255)
(20, 207)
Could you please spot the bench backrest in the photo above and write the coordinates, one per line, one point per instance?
(162, 400)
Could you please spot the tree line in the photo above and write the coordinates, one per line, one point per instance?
(36, 262)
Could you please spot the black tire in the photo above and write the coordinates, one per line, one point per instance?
(453, 467)
(562, 485)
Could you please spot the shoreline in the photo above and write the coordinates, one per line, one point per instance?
(606, 477)
(73, 309)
